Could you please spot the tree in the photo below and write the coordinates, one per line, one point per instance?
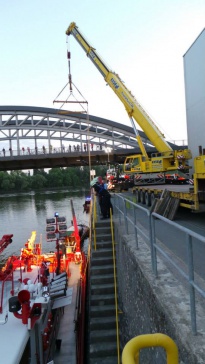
(19, 180)
(6, 184)
(38, 182)
(55, 177)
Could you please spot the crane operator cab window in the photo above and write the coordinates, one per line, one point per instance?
(128, 164)
(136, 162)
(132, 163)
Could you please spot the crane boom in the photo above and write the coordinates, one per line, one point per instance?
(132, 106)
(143, 169)
(167, 160)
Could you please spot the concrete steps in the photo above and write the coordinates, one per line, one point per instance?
(102, 315)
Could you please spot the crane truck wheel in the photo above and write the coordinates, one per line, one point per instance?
(152, 198)
(138, 196)
(142, 197)
(147, 199)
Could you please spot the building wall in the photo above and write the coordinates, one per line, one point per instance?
(194, 76)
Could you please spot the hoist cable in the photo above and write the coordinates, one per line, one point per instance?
(69, 63)
(71, 85)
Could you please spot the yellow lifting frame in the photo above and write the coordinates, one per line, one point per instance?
(130, 354)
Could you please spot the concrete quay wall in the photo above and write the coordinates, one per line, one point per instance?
(154, 305)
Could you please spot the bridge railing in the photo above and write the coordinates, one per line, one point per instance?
(38, 151)
(126, 214)
(26, 152)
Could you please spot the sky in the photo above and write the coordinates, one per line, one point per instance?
(143, 41)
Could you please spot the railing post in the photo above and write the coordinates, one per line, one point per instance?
(191, 280)
(135, 227)
(153, 244)
(126, 221)
(119, 210)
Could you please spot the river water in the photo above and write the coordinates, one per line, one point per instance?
(22, 213)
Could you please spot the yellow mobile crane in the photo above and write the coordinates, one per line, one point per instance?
(166, 160)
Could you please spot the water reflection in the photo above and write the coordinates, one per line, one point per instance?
(22, 213)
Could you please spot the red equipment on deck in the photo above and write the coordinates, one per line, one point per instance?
(5, 241)
(78, 256)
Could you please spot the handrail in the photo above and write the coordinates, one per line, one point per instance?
(130, 354)
(9, 277)
(115, 286)
(154, 247)
(94, 219)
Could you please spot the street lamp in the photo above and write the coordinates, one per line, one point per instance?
(108, 150)
(92, 174)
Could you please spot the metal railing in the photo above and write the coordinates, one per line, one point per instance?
(39, 151)
(126, 210)
(115, 286)
(95, 212)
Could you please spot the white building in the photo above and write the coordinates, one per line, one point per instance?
(194, 75)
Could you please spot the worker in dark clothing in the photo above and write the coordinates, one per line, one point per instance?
(104, 200)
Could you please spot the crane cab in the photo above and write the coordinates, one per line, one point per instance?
(136, 163)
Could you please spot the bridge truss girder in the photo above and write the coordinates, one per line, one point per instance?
(22, 126)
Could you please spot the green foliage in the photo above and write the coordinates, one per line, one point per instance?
(101, 170)
(6, 185)
(54, 178)
(38, 182)
(19, 181)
